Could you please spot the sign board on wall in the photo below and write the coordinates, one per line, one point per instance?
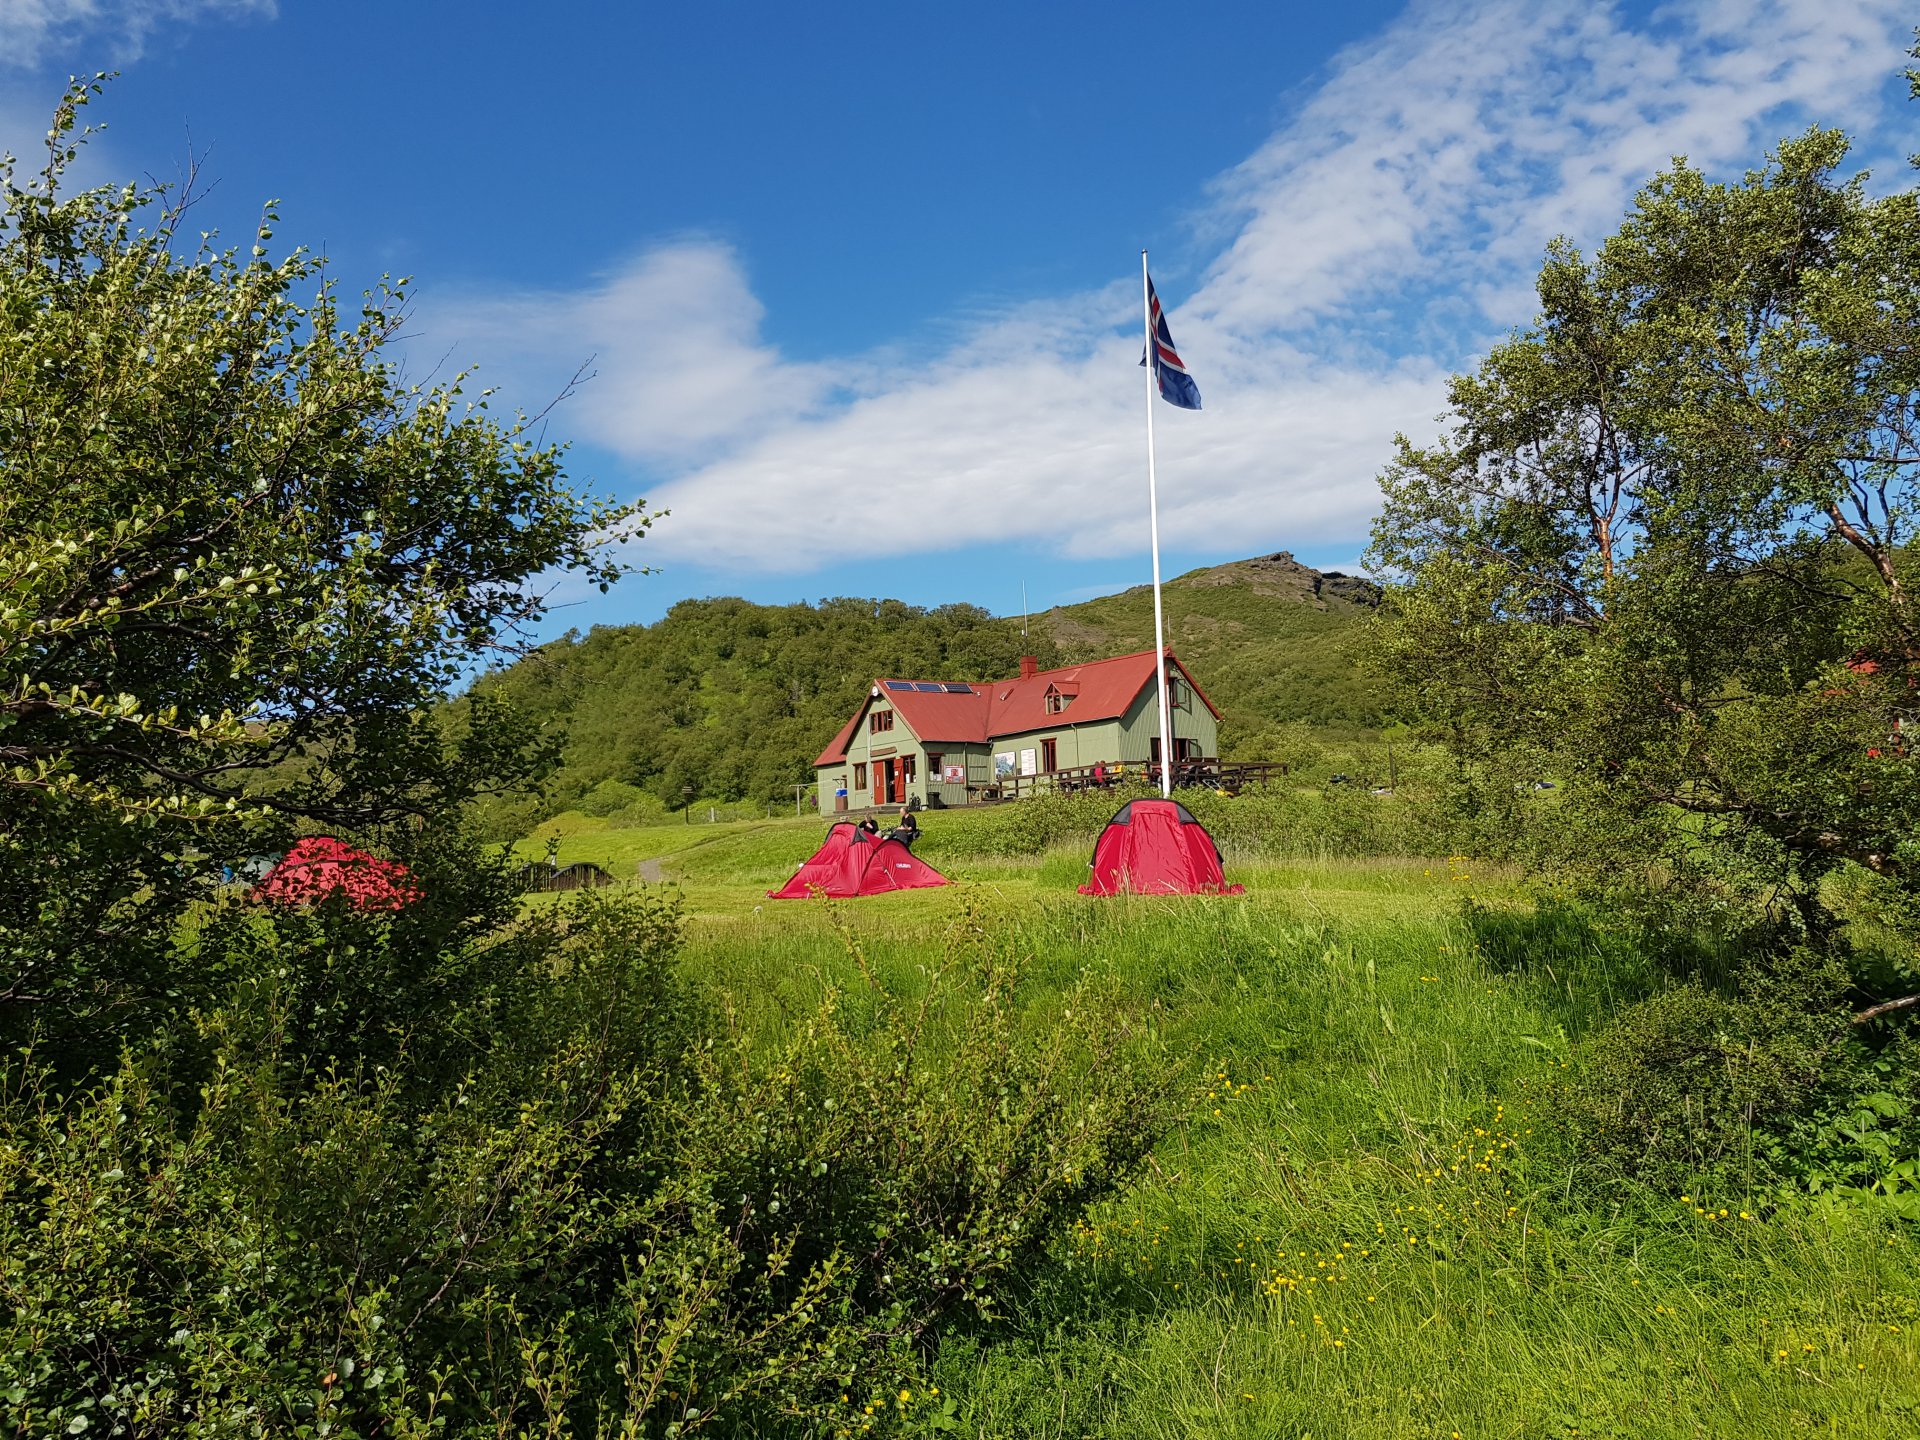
(1029, 762)
(1003, 764)
(953, 774)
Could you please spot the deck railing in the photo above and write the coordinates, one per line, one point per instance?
(1210, 774)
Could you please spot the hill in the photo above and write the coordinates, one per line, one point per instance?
(1272, 641)
(732, 700)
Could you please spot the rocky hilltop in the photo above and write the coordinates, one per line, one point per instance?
(1282, 576)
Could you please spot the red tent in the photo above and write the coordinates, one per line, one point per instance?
(1156, 847)
(853, 862)
(320, 866)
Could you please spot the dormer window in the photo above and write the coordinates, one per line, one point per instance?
(1059, 699)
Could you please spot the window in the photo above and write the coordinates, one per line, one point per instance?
(1179, 693)
(1057, 700)
(1186, 749)
(1049, 756)
(906, 765)
(878, 721)
(860, 776)
(934, 757)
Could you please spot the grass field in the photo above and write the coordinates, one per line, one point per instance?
(1367, 1223)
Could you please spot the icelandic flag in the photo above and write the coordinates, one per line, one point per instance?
(1176, 385)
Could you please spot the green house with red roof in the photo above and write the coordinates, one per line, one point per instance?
(947, 742)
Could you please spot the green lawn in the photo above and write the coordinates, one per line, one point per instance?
(1368, 1223)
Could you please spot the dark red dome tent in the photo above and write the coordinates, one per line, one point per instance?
(1156, 847)
(852, 863)
(320, 867)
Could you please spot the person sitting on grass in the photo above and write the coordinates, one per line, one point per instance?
(907, 831)
(869, 826)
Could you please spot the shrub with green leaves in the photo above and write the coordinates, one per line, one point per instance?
(1692, 1081)
(1279, 819)
(407, 1179)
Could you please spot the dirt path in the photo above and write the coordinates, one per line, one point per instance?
(651, 871)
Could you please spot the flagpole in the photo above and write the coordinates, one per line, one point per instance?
(1153, 520)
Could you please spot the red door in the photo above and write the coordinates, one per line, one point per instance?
(880, 773)
(899, 780)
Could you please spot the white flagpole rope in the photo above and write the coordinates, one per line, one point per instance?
(1153, 521)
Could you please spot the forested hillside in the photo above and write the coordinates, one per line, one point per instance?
(731, 698)
(734, 699)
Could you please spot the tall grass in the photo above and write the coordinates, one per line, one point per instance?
(1368, 1221)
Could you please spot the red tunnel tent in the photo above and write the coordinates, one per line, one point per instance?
(833, 868)
(1156, 847)
(853, 862)
(320, 866)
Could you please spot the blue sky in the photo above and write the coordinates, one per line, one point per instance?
(859, 282)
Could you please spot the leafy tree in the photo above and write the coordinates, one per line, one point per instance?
(238, 553)
(1666, 556)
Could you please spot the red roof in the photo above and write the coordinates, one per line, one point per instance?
(838, 749)
(977, 713)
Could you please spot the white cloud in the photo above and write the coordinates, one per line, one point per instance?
(672, 344)
(36, 31)
(1384, 235)
(1447, 154)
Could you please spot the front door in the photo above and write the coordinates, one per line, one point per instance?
(899, 794)
(881, 772)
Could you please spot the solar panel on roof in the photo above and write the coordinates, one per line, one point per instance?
(898, 684)
(959, 689)
(931, 689)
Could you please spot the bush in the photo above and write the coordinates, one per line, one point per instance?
(1861, 1139)
(1279, 820)
(1694, 1083)
(406, 1179)
(611, 797)
(1028, 827)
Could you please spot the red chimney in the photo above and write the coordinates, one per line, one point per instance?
(1029, 667)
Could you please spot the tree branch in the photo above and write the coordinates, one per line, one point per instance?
(1885, 1007)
